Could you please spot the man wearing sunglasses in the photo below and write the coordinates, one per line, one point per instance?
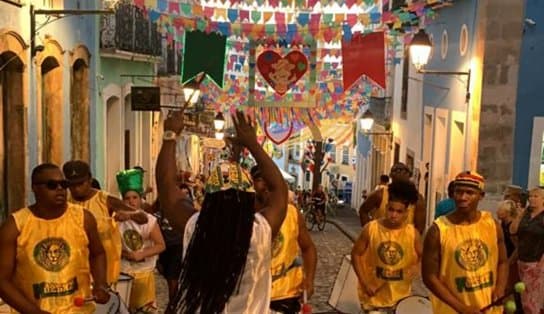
(49, 251)
(103, 206)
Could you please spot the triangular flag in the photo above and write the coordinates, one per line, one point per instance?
(204, 53)
(364, 55)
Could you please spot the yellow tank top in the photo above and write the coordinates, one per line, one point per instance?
(469, 262)
(53, 260)
(286, 277)
(380, 212)
(107, 231)
(390, 253)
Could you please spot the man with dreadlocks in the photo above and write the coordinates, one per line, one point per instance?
(227, 245)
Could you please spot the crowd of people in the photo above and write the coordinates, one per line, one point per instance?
(235, 243)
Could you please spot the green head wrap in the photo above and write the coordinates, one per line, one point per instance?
(131, 180)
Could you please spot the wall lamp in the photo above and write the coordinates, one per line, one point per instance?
(367, 121)
(57, 14)
(420, 50)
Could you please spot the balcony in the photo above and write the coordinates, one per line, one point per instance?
(171, 59)
(129, 34)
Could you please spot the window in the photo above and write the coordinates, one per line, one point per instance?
(410, 160)
(396, 153)
(332, 153)
(345, 155)
(307, 175)
(405, 74)
(444, 45)
(463, 40)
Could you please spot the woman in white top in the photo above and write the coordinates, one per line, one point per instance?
(142, 244)
(226, 268)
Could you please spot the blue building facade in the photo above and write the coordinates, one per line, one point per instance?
(529, 108)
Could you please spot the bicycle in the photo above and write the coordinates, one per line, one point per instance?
(311, 218)
(332, 204)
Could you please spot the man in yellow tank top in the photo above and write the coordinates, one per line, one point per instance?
(290, 277)
(102, 206)
(464, 257)
(375, 205)
(49, 251)
(386, 255)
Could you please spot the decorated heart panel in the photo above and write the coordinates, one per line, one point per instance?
(278, 134)
(281, 73)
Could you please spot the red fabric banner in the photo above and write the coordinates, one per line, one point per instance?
(364, 55)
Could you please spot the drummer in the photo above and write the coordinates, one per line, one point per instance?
(464, 256)
(142, 244)
(386, 255)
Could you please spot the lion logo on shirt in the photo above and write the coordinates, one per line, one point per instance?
(133, 239)
(277, 245)
(52, 254)
(471, 254)
(390, 252)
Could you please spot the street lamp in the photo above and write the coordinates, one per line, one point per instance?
(420, 50)
(219, 135)
(191, 91)
(367, 121)
(219, 121)
(57, 14)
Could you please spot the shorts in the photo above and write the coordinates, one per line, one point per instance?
(170, 262)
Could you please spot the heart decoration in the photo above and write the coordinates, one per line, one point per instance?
(278, 136)
(281, 73)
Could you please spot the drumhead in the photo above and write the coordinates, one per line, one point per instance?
(125, 277)
(414, 304)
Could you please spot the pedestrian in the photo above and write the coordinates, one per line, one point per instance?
(507, 212)
(375, 206)
(447, 205)
(464, 257)
(142, 244)
(387, 253)
(529, 228)
(102, 206)
(384, 181)
(290, 276)
(49, 251)
(226, 265)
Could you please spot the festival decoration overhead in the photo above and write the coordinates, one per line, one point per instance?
(364, 55)
(278, 133)
(282, 72)
(204, 53)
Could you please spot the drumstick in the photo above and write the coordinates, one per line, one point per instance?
(80, 301)
(518, 288)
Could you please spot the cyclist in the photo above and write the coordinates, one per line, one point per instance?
(319, 199)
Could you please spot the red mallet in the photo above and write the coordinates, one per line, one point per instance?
(80, 301)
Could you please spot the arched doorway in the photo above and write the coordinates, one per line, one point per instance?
(13, 131)
(132, 138)
(114, 141)
(79, 104)
(49, 104)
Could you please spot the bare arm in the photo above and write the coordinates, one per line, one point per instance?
(9, 292)
(174, 203)
(420, 214)
(97, 255)
(309, 254)
(359, 248)
(418, 247)
(371, 204)
(503, 266)
(430, 269)
(276, 204)
(157, 247)
(125, 211)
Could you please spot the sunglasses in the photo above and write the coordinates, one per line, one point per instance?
(54, 184)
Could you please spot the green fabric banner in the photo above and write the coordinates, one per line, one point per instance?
(204, 53)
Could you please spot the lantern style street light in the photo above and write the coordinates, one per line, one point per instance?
(191, 92)
(420, 50)
(219, 122)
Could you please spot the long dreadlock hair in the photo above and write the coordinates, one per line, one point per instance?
(216, 255)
